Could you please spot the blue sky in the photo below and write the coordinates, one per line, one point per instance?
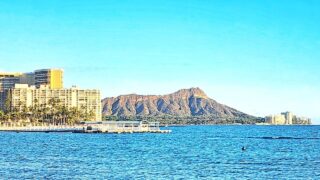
(261, 57)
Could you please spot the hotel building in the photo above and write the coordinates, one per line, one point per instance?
(277, 119)
(27, 78)
(50, 77)
(286, 118)
(8, 80)
(29, 89)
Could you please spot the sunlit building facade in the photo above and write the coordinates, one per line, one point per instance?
(276, 119)
(88, 101)
(287, 118)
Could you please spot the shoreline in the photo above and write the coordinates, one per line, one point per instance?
(82, 129)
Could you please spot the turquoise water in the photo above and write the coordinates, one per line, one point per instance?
(193, 152)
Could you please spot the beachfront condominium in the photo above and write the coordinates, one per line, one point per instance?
(50, 77)
(277, 119)
(286, 118)
(88, 101)
(8, 80)
(27, 78)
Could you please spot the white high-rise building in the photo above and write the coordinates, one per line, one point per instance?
(288, 116)
(23, 95)
(277, 119)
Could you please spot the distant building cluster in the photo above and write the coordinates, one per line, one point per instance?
(287, 118)
(38, 87)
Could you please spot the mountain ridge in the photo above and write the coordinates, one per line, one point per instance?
(191, 102)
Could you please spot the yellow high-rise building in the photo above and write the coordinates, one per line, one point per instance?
(53, 78)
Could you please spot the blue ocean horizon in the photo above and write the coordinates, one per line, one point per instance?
(190, 152)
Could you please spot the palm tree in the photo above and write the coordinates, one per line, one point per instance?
(24, 112)
(43, 113)
(8, 102)
(91, 115)
(74, 115)
(8, 116)
(60, 113)
(2, 116)
(34, 110)
(64, 114)
(53, 103)
(16, 115)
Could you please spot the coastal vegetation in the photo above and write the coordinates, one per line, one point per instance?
(188, 120)
(54, 113)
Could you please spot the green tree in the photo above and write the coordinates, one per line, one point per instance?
(25, 112)
(74, 115)
(8, 101)
(53, 104)
(90, 115)
(2, 116)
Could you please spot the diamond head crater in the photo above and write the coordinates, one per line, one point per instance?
(186, 106)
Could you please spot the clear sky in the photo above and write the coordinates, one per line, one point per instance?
(261, 57)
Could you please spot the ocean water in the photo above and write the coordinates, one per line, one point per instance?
(191, 152)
